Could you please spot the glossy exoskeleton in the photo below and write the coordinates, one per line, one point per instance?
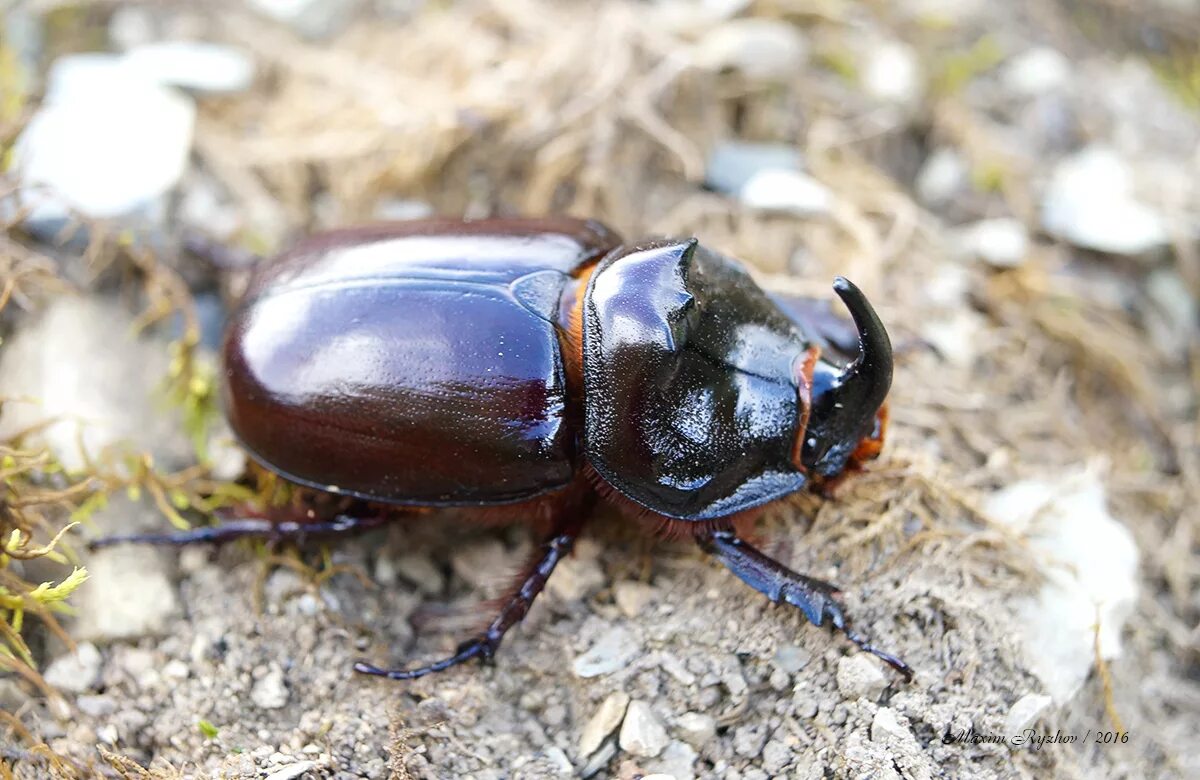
(529, 366)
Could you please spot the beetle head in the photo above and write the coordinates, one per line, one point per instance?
(848, 414)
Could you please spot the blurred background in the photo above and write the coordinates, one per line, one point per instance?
(1015, 185)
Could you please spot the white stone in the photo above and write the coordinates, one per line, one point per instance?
(1089, 561)
(956, 337)
(1002, 242)
(1025, 712)
(943, 174)
(696, 728)
(678, 760)
(791, 658)
(292, 771)
(603, 722)
(400, 209)
(641, 733)
(269, 691)
(761, 49)
(632, 597)
(103, 396)
(733, 163)
(418, 570)
(129, 594)
(1172, 320)
(1036, 72)
(136, 147)
(859, 676)
(75, 672)
(886, 726)
(690, 16)
(786, 191)
(193, 65)
(578, 575)
(311, 18)
(482, 564)
(613, 651)
(1089, 202)
(892, 74)
(130, 26)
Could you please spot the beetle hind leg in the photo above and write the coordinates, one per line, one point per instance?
(815, 598)
(267, 528)
(513, 610)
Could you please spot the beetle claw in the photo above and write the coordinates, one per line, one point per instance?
(817, 599)
(474, 648)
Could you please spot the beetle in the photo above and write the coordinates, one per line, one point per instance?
(527, 368)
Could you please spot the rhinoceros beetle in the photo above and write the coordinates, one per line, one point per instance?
(528, 367)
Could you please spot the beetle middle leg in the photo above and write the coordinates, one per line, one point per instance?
(815, 598)
(484, 646)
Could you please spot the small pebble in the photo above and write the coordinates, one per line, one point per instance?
(599, 759)
(193, 65)
(611, 652)
(96, 706)
(791, 659)
(269, 691)
(478, 562)
(1025, 712)
(892, 74)
(419, 571)
(748, 740)
(176, 670)
(678, 761)
(696, 727)
(314, 19)
(733, 163)
(641, 733)
(943, 175)
(760, 49)
(107, 734)
(776, 755)
(886, 726)
(292, 771)
(135, 150)
(791, 192)
(1089, 202)
(1036, 72)
(859, 676)
(75, 672)
(632, 597)
(396, 209)
(603, 722)
(1001, 242)
(578, 576)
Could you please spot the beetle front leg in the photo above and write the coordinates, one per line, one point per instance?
(815, 598)
(515, 607)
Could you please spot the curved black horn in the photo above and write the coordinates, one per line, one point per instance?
(870, 374)
(845, 404)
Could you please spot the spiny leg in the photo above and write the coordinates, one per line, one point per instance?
(250, 527)
(484, 646)
(815, 598)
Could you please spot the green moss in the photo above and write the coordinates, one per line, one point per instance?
(959, 68)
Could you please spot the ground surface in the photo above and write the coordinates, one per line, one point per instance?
(1054, 363)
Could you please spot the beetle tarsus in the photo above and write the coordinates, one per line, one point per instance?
(245, 528)
(515, 607)
(815, 598)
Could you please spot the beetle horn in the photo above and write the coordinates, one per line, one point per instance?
(844, 409)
